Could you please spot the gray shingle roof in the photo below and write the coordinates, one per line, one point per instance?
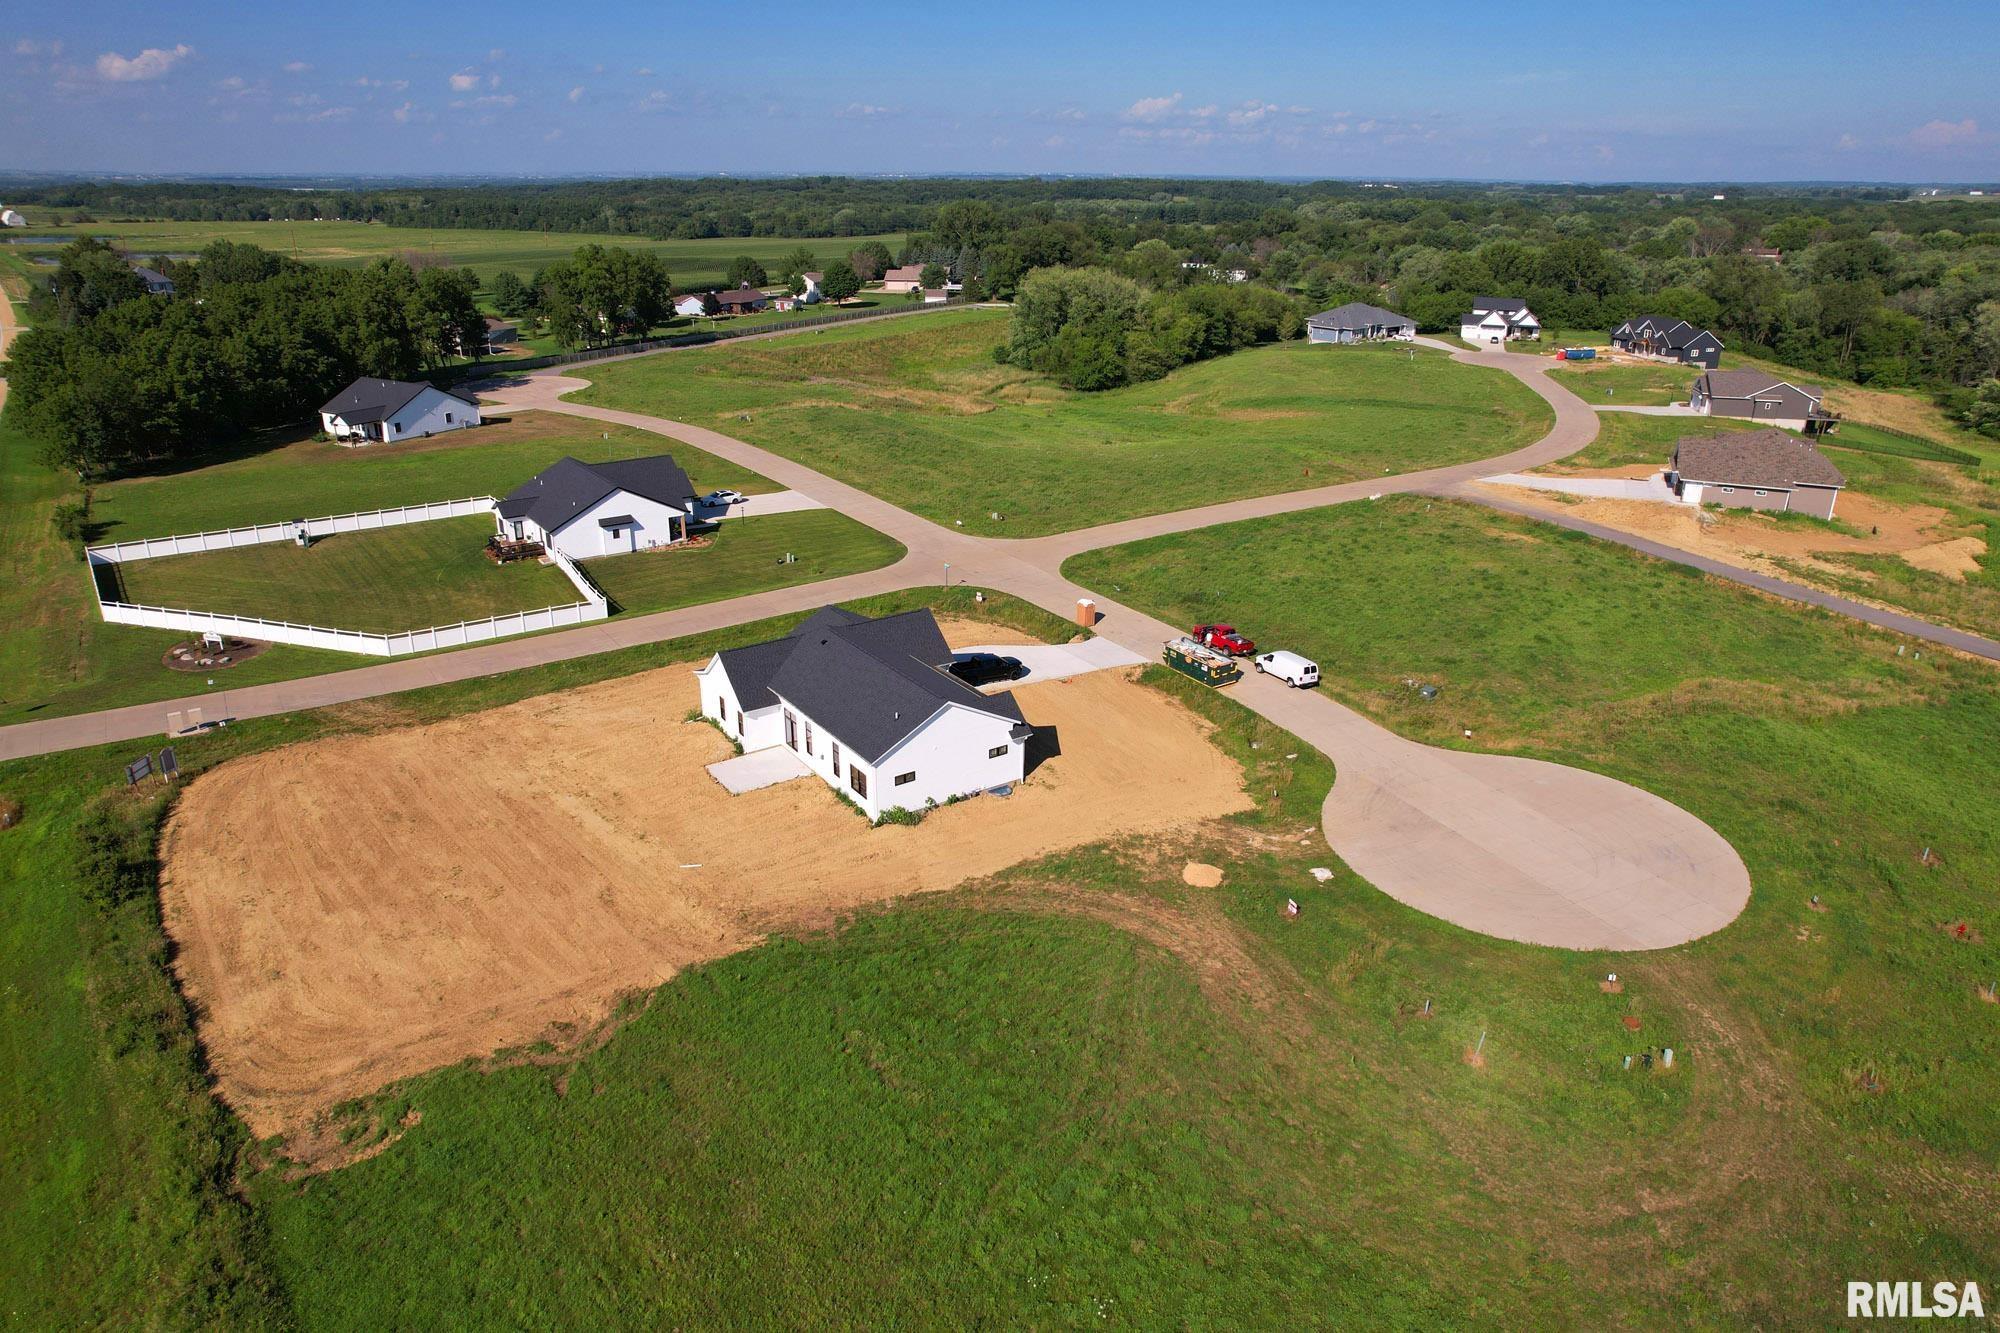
(1770, 458)
(868, 683)
(566, 487)
(1506, 305)
(1748, 384)
(1356, 315)
(370, 399)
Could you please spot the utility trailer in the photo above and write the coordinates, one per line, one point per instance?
(1207, 665)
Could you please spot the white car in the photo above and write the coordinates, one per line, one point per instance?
(722, 499)
(1297, 672)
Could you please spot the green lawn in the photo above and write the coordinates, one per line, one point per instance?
(292, 474)
(1625, 438)
(993, 1107)
(744, 557)
(918, 413)
(1644, 384)
(58, 657)
(697, 263)
(379, 582)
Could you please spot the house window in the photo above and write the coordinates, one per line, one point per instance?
(836, 758)
(997, 752)
(1729, 490)
(903, 779)
(859, 781)
(809, 735)
(396, 426)
(791, 730)
(1762, 492)
(447, 418)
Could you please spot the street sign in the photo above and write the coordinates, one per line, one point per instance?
(138, 769)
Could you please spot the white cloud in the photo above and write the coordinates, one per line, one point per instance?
(644, 71)
(1250, 114)
(401, 115)
(576, 93)
(1847, 143)
(496, 54)
(654, 101)
(28, 46)
(331, 113)
(151, 63)
(490, 100)
(552, 136)
(297, 66)
(1152, 108)
(1945, 133)
(464, 81)
(865, 111)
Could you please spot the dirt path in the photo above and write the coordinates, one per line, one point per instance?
(352, 911)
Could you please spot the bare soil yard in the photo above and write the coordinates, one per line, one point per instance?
(1922, 535)
(355, 910)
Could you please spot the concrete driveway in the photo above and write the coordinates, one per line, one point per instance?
(1058, 661)
(1652, 488)
(774, 502)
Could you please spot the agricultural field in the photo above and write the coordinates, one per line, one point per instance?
(59, 657)
(379, 582)
(921, 415)
(1908, 533)
(697, 263)
(1079, 1090)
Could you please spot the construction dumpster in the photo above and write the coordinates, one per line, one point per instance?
(1200, 663)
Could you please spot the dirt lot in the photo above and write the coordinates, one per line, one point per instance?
(1921, 534)
(352, 911)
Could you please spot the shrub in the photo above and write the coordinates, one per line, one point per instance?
(115, 855)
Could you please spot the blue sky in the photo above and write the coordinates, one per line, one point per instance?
(1599, 91)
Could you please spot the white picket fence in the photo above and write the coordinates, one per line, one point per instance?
(189, 543)
(594, 606)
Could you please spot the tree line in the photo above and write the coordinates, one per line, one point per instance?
(111, 379)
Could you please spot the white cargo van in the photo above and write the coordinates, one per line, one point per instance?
(1297, 672)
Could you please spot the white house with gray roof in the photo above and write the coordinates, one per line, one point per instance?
(1498, 319)
(868, 706)
(586, 510)
(372, 411)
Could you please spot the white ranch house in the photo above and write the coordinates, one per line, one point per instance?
(868, 707)
(372, 410)
(586, 510)
(1498, 319)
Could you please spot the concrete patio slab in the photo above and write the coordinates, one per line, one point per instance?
(1058, 661)
(758, 769)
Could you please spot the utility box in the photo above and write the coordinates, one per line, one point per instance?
(1086, 612)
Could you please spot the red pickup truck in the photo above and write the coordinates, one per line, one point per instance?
(1224, 638)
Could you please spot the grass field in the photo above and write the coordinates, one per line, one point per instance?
(58, 657)
(1641, 384)
(351, 244)
(288, 474)
(743, 558)
(920, 415)
(1625, 438)
(1083, 1093)
(380, 582)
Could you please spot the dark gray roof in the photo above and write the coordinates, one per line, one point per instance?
(1748, 384)
(740, 296)
(868, 683)
(566, 487)
(1673, 333)
(616, 521)
(1356, 315)
(375, 400)
(1770, 458)
(1506, 305)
